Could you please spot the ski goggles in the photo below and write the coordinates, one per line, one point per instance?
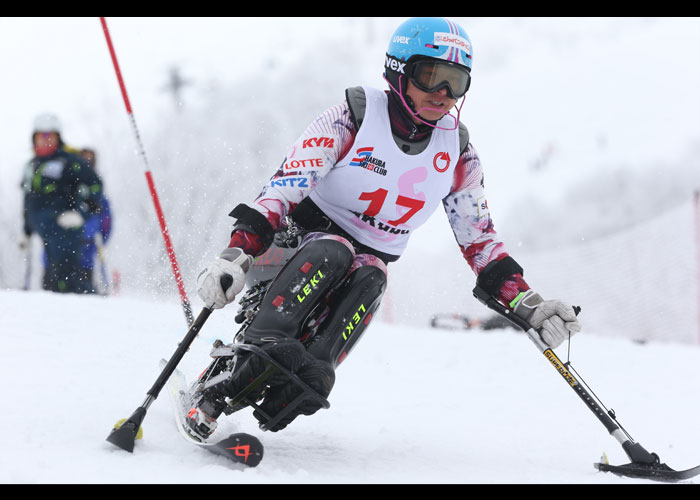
(431, 76)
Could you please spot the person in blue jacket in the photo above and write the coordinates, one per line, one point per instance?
(60, 192)
(97, 230)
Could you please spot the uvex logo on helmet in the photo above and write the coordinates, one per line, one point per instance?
(394, 64)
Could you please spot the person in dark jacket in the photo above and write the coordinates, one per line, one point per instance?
(60, 192)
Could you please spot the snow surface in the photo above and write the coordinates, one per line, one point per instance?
(410, 405)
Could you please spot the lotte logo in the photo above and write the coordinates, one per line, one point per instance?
(441, 161)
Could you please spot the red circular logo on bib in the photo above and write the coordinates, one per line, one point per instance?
(441, 162)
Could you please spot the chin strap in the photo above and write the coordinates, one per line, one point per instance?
(415, 114)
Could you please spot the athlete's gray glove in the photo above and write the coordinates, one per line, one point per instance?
(220, 282)
(554, 320)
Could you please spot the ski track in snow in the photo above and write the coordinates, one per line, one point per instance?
(410, 405)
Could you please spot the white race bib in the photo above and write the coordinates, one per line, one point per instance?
(379, 194)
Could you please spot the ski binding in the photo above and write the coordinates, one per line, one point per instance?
(239, 447)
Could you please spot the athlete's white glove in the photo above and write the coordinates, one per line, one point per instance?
(220, 282)
(554, 320)
(70, 219)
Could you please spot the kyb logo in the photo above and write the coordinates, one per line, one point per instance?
(394, 64)
(326, 142)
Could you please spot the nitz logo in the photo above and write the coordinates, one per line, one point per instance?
(290, 181)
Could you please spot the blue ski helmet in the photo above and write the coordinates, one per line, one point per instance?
(433, 39)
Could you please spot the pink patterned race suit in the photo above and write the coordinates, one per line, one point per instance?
(376, 193)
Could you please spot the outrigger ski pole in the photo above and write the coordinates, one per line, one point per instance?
(125, 433)
(643, 464)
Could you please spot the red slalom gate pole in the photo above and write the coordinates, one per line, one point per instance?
(149, 179)
(696, 220)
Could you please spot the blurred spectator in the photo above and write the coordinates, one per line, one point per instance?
(60, 193)
(96, 231)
